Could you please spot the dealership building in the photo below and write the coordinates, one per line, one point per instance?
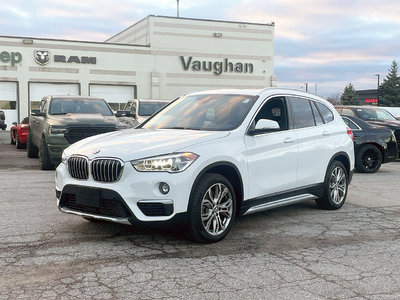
(156, 58)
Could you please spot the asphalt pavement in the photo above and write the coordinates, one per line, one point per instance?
(295, 252)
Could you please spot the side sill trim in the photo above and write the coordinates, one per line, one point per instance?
(280, 202)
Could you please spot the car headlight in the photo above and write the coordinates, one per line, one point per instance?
(57, 130)
(64, 157)
(172, 163)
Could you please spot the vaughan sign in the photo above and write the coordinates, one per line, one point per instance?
(217, 67)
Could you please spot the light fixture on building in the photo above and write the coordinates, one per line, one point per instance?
(217, 34)
(27, 41)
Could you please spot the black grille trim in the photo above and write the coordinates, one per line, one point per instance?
(77, 133)
(78, 167)
(110, 203)
(154, 209)
(106, 169)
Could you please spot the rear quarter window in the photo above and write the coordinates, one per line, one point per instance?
(326, 113)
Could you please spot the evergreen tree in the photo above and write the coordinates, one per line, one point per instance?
(349, 96)
(389, 90)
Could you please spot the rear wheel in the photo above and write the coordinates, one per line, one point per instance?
(335, 191)
(18, 143)
(44, 157)
(212, 209)
(31, 150)
(12, 141)
(369, 159)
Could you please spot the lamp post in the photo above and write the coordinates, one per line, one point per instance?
(377, 88)
(177, 8)
(306, 84)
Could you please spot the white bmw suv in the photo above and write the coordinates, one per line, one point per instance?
(210, 157)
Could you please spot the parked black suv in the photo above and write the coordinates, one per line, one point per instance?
(373, 115)
(3, 124)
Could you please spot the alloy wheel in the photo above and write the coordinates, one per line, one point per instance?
(216, 209)
(338, 185)
(369, 159)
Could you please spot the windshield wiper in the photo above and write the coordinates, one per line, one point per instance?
(60, 113)
(179, 127)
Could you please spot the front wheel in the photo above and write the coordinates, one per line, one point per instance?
(212, 209)
(18, 143)
(31, 150)
(44, 157)
(335, 187)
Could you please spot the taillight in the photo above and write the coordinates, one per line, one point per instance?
(350, 133)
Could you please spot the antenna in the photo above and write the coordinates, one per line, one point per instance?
(177, 8)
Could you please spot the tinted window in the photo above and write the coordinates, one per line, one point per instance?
(317, 116)
(301, 112)
(203, 112)
(326, 113)
(148, 108)
(351, 124)
(372, 114)
(60, 106)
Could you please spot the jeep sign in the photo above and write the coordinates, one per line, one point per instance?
(12, 57)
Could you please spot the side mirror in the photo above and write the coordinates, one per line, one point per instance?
(15, 123)
(36, 112)
(263, 126)
(120, 113)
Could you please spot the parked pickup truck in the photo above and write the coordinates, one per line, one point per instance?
(63, 120)
(136, 111)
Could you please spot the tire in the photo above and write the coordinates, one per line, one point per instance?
(18, 144)
(210, 220)
(12, 141)
(44, 158)
(369, 159)
(335, 187)
(31, 150)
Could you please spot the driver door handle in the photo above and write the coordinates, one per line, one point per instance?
(288, 140)
(326, 133)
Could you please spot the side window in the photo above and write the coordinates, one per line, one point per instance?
(347, 112)
(274, 109)
(351, 124)
(301, 112)
(317, 116)
(133, 108)
(43, 105)
(326, 113)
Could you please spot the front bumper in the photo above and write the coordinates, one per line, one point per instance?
(134, 197)
(56, 144)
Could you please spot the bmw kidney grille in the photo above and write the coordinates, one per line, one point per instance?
(104, 169)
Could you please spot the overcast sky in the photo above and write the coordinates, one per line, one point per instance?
(325, 42)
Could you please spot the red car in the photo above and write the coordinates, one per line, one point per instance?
(19, 132)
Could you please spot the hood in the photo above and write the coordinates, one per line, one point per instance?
(132, 144)
(390, 124)
(82, 119)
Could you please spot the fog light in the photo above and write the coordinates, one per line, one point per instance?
(164, 188)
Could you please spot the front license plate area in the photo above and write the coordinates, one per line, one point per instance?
(86, 197)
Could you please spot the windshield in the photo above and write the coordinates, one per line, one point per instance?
(146, 109)
(373, 114)
(203, 112)
(59, 106)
